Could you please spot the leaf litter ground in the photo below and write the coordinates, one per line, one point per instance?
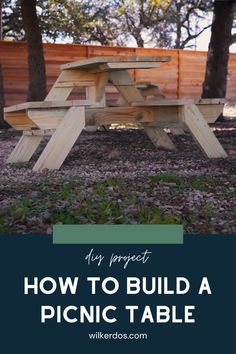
(119, 177)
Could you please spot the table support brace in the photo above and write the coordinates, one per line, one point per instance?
(201, 132)
(62, 140)
(24, 149)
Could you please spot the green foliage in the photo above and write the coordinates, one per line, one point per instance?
(161, 199)
(156, 216)
(231, 192)
(5, 229)
(208, 209)
(12, 20)
(168, 177)
(163, 23)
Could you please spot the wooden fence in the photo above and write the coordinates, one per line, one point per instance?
(182, 77)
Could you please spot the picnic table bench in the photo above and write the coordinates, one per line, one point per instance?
(64, 119)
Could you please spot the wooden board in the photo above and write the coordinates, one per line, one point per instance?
(19, 120)
(24, 149)
(210, 111)
(96, 92)
(201, 132)
(47, 118)
(62, 140)
(125, 85)
(163, 102)
(96, 61)
(113, 115)
(48, 104)
(177, 131)
(127, 66)
(159, 138)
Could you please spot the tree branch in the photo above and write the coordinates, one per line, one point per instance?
(193, 36)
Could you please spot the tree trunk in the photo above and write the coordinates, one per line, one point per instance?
(2, 101)
(215, 82)
(139, 40)
(3, 124)
(178, 26)
(37, 72)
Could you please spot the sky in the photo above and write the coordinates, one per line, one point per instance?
(203, 40)
(200, 42)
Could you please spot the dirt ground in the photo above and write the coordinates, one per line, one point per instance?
(118, 176)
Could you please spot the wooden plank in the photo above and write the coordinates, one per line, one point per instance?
(159, 138)
(62, 140)
(48, 104)
(96, 92)
(163, 102)
(96, 61)
(79, 77)
(47, 118)
(19, 120)
(50, 118)
(201, 132)
(100, 83)
(120, 78)
(74, 84)
(24, 149)
(210, 111)
(126, 86)
(114, 115)
(128, 66)
(177, 131)
(166, 116)
(59, 93)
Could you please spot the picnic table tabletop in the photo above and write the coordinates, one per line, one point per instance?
(120, 62)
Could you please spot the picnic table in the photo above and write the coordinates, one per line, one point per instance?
(64, 119)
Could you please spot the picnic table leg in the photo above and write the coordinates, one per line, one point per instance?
(177, 131)
(96, 93)
(159, 137)
(25, 148)
(62, 140)
(202, 133)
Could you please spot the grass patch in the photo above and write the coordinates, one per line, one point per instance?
(208, 210)
(5, 229)
(202, 183)
(167, 177)
(156, 216)
(230, 192)
(110, 201)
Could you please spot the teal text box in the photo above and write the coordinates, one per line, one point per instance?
(118, 234)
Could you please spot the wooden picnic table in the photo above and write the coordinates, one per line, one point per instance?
(65, 119)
